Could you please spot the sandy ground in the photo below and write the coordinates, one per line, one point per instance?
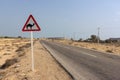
(8, 48)
(18, 53)
(109, 48)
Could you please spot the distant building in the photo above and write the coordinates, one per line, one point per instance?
(115, 39)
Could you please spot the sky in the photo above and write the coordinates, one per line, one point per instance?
(61, 18)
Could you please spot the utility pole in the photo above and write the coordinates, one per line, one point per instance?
(98, 35)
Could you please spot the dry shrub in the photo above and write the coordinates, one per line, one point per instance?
(110, 51)
(20, 54)
(6, 54)
(8, 63)
(94, 48)
(70, 43)
(22, 48)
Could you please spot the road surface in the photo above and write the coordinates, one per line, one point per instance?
(84, 64)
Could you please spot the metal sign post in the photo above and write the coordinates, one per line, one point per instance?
(32, 54)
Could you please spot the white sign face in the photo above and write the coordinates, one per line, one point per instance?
(31, 25)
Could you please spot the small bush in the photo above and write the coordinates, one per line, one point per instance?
(6, 54)
(8, 63)
(110, 51)
(22, 48)
(94, 48)
(21, 54)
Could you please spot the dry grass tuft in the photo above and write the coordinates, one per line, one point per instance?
(110, 51)
(8, 63)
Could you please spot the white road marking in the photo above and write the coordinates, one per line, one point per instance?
(89, 54)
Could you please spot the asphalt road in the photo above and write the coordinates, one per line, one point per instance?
(84, 64)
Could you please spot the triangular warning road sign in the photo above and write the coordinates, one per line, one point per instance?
(31, 25)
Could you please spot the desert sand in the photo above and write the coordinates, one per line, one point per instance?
(15, 62)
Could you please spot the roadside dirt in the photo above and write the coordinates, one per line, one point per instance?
(109, 48)
(18, 62)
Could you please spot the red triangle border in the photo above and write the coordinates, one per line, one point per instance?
(38, 28)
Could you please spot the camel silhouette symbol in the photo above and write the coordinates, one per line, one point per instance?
(29, 26)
